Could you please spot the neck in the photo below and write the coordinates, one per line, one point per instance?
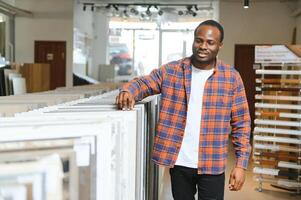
(203, 65)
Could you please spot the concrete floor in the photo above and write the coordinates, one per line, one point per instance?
(248, 191)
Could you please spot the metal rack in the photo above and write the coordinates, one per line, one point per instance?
(277, 132)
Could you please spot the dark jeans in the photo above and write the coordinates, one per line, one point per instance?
(185, 182)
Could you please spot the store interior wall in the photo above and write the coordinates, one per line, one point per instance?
(298, 23)
(256, 25)
(262, 23)
(52, 20)
(82, 30)
(100, 41)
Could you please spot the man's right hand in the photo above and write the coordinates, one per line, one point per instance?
(125, 101)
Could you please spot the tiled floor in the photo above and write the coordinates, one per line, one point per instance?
(249, 192)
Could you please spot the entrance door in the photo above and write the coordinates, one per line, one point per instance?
(53, 53)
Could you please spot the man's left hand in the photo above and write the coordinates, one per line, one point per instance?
(237, 179)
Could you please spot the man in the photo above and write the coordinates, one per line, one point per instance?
(201, 99)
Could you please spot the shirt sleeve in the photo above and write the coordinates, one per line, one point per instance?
(145, 86)
(241, 124)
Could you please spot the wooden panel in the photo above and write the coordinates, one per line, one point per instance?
(53, 53)
(37, 77)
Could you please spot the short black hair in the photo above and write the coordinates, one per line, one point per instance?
(214, 24)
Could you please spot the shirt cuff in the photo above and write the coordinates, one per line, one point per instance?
(242, 162)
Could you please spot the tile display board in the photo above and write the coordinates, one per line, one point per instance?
(277, 132)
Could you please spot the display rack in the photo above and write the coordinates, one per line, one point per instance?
(277, 132)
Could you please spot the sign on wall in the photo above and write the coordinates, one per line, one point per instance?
(278, 54)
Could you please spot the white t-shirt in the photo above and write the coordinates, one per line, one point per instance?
(188, 155)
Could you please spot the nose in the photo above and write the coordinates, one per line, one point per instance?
(203, 45)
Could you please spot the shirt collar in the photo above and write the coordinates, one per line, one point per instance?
(187, 63)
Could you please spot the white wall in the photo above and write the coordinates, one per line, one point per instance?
(52, 20)
(262, 23)
(83, 29)
(100, 44)
(94, 26)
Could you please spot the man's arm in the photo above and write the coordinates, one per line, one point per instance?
(139, 88)
(240, 122)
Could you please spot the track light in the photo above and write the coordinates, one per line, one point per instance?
(130, 9)
(142, 16)
(125, 13)
(92, 6)
(189, 10)
(148, 12)
(246, 4)
(133, 10)
(116, 7)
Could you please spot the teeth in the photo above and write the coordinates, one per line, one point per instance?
(202, 54)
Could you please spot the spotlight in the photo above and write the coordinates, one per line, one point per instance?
(246, 4)
(115, 7)
(84, 7)
(194, 14)
(180, 12)
(108, 6)
(92, 8)
(125, 13)
(148, 12)
(133, 10)
(189, 11)
(196, 7)
(160, 12)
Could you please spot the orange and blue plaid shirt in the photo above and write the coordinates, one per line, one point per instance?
(225, 110)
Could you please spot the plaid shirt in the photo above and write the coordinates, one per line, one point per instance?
(224, 106)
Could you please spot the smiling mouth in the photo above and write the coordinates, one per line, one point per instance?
(202, 54)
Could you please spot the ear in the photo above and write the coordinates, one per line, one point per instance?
(221, 45)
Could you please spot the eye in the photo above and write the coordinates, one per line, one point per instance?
(197, 40)
(211, 42)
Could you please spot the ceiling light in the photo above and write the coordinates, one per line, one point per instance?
(116, 7)
(160, 12)
(133, 10)
(125, 13)
(246, 4)
(148, 12)
(180, 12)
